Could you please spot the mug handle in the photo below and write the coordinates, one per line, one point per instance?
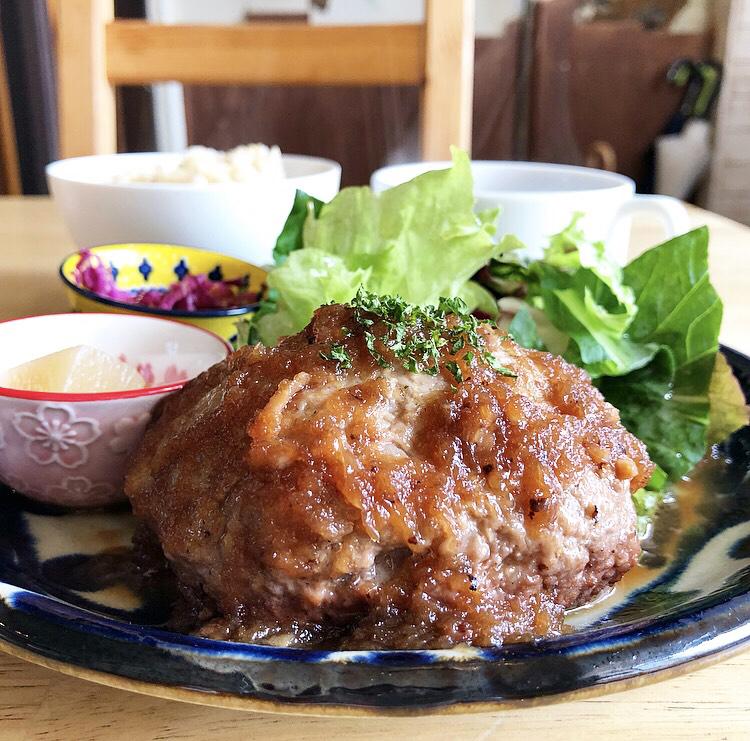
(672, 212)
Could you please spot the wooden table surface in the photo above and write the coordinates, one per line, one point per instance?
(37, 703)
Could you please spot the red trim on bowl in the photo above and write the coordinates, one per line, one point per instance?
(102, 396)
(105, 395)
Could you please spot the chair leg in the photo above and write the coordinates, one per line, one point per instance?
(86, 98)
(449, 72)
(10, 171)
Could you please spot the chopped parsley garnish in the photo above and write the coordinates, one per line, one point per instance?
(455, 369)
(415, 335)
(339, 354)
(495, 364)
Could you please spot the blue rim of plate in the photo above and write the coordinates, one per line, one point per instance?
(293, 679)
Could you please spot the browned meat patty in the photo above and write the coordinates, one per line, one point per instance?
(302, 501)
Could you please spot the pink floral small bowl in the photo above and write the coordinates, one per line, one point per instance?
(73, 449)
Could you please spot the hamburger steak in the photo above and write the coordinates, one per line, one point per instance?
(319, 493)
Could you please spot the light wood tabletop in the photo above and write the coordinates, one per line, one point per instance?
(37, 703)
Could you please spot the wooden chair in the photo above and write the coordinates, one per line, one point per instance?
(10, 173)
(96, 53)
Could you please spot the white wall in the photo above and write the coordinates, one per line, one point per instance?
(491, 15)
(220, 12)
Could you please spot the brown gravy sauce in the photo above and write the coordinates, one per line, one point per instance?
(116, 576)
(680, 510)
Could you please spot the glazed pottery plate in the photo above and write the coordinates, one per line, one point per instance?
(69, 599)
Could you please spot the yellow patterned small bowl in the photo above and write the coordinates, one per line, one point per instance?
(139, 266)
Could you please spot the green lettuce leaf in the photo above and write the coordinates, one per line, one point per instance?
(570, 250)
(506, 277)
(666, 404)
(678, 307)
(583, 294)
(672, 427)
(648, 499)
(420, 241)
(728, 410)
(290, 238)
(478, 297)
(524, 331)
(596, 316)
(305, 277)
(348, 226)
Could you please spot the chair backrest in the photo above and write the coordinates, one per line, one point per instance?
(96, 53)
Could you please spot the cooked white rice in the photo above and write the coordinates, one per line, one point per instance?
(205, 165)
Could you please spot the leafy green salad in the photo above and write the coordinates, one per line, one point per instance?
(647, 334)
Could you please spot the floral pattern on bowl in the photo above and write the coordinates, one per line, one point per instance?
(79, 488)
(127, 432)
(72, 449)
(53, 434)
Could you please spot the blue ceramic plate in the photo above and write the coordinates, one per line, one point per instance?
(68, 599)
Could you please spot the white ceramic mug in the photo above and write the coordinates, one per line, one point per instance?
(538, 199)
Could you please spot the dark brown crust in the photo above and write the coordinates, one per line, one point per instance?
(384, 508)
